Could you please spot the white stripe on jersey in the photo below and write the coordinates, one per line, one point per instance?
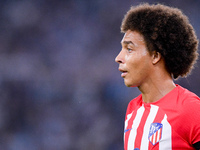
(128, 117)
(133, 132)
(166, 134)
(126, 122)
(150, 119)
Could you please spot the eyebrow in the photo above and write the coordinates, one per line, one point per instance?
(127, 42)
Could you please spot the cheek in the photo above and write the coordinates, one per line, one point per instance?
(138, 59)
(135, 60)
(139, 64)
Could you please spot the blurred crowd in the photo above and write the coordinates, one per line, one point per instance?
(59, 85)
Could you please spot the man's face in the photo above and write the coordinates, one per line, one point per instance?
(134, 60)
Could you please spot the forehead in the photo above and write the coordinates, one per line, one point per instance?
(132, 36)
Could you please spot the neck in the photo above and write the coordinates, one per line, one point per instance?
(156, 89)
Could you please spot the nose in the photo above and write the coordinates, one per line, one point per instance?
(119, 58)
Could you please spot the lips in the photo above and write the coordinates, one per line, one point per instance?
(124, 72)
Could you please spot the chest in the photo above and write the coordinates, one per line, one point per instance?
(149, 128)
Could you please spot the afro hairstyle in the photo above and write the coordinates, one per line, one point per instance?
(168, 31)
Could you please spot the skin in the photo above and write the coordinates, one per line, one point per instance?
(143, 70)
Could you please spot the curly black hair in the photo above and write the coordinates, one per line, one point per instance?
(168, 31)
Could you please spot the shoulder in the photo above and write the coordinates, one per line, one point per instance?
(189, 102)
(188, 99)
(185, 93)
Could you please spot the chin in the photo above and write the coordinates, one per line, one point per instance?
(130, 84)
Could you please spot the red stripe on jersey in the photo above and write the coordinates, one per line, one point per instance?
(141, 127)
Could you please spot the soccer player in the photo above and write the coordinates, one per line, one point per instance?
(159, 45)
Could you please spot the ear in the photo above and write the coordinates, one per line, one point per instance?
(156, 57)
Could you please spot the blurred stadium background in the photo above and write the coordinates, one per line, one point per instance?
(59, 85)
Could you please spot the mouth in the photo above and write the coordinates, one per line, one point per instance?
(123, 72)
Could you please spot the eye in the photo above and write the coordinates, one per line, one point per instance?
(129, 50)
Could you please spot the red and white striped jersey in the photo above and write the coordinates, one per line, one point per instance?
(172, 123)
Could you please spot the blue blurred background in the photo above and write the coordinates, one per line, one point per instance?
(59, 85)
